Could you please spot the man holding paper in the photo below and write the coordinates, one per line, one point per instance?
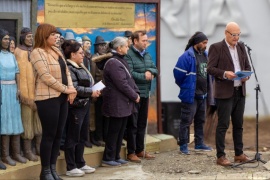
(225, 59)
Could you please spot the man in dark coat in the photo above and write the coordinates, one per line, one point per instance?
(143, 71)
(225, 59)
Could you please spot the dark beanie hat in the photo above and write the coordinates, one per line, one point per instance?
(200, 37)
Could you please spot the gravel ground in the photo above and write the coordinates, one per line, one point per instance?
(172, 164)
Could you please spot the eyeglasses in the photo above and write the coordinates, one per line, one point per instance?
(233, 35)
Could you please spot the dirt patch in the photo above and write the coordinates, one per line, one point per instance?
(249, 135)
(175, 165)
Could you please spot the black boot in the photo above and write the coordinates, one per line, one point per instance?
(92, 139)
(46, 173)
(87, 143)
(54, 173)
(2, 166)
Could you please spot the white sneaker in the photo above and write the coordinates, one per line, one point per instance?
(87, 169)
(75, 173)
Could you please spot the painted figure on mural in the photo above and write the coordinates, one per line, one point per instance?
(98, 137)
(12, 44)
(11, 122)
(86, 45)
(30, 119)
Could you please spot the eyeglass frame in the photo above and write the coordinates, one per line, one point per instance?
(234, 35)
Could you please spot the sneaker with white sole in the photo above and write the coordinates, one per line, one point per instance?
(75, 173)
(110, 163)
(87, 169)
(202, 147)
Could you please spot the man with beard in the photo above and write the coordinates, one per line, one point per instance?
(86, 46)
(98, 137)
(30, 119)
(190, 75)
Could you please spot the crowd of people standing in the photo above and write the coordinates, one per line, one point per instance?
(47, 98)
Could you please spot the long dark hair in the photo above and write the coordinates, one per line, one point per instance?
(3, 33)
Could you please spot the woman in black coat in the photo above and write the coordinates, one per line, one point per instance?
(119, 98)
(78, 114)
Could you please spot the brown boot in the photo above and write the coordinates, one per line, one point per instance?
(16, 149)
(27, 150)
(5, 151)
(133, 158)
(38, 141)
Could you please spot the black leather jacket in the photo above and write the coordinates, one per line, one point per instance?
(82, 81)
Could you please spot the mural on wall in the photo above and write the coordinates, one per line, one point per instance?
(108, 20)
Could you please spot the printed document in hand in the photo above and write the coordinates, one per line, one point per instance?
(242, 74)
(98, 86)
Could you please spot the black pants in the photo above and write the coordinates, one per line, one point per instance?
(233, 107)
(53, 114)
(136, 127)
(192, 112)
(113, 144)
(77, 133)
(101, 122)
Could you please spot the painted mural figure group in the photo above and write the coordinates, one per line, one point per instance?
(208, 79)
(47, 98)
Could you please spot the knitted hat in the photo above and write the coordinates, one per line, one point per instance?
(199, 38)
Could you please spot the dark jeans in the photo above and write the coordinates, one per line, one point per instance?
(233, 107)
(189, 112)
(101, 122)
(53, 115)
(113, 144)
(77, 133)
(136, 127)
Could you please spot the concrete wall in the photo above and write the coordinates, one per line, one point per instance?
(182, 18)
(23, 7)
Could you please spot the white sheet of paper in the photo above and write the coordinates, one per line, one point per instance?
(98, 86)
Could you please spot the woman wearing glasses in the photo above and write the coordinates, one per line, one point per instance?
(78, 115)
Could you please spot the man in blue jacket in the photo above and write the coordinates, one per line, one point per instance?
(191, 76)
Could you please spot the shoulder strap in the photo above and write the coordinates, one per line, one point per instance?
(120, 63)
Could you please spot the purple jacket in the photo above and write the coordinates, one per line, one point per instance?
(121, 92)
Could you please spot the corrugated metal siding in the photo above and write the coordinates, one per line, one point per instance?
(22, 6)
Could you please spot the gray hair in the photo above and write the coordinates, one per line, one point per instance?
(117, 42)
